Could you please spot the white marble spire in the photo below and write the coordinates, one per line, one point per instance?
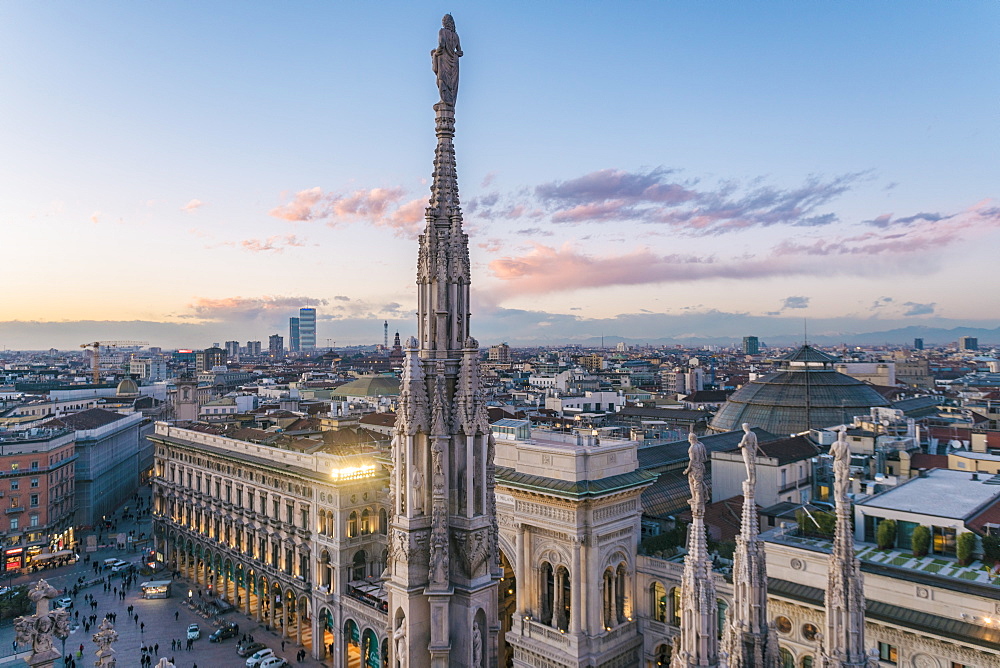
(698, 645)
(444, 568)
(843, 643)
(750, 640)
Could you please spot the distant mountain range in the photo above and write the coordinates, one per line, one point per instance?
(932, 336)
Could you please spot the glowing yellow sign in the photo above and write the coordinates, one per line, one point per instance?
(353, 472)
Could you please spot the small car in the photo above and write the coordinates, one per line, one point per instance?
(121, 566)
(227, 631)
(193, 632)
(64, 602)
(259, 656)
(272, 662)
(250, 648)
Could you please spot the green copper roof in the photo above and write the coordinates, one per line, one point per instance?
(573, 489)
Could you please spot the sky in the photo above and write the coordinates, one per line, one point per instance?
(187, 173)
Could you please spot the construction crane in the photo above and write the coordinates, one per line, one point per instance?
(97, 345)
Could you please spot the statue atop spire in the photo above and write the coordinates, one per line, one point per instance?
(698, 644)
(749, 639)
(444, 61)
(844, 640)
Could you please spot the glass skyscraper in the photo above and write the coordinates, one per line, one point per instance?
(307, 328)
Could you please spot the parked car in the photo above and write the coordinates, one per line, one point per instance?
(64, 602)
(194, 632)
(250, 648)
(258, 657)
(228, 631)
(272, 662)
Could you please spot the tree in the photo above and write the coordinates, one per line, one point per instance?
(991, 549)
(817, 523)
(885, 536)
(966, 547)
(920, 541)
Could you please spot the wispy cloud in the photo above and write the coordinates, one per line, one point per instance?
(795, 302)
(913, 308)
(247, 308)
(95, 217)
(275, 243)
(912, 248)
(380, 206)
(659, 196)
(193, 205)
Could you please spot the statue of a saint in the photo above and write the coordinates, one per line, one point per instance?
(417, 489)
(841, 452)
(399, 639)
(477, 646)
(444, 60)
(696, 471)
(750, 449)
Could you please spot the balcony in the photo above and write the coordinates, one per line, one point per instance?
(15, 509)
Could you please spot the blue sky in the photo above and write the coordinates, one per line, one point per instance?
(193, 172)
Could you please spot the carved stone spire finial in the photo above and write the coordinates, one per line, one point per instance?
(699, 640)
(844, 639)
(749, 639)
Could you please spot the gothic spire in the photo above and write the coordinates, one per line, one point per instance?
(698, 645)
(750, 641)
(443, 569)
(844, 640)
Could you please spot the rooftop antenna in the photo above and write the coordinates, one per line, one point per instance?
(385, 337)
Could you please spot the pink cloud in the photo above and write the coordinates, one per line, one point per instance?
(192, 205)
(380, 206)
(275, 243)
(301, 207)
(247, 308)
(95, 217)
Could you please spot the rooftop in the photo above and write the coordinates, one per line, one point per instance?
(942, 493)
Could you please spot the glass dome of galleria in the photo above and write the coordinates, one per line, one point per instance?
(804, 393)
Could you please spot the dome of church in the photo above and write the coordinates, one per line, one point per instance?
(804, 393)
(127, 388)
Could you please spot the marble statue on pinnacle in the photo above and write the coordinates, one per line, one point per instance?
(444, 61)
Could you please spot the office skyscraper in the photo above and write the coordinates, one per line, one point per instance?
(751, 345)
(968, 343)
(918, 344)
(276, 345)
(307, 329)
(294, 329)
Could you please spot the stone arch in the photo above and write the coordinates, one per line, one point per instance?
(370, 649)
(661, 655)
(507, 606)
(546, 590)
(326, 632)
(785, 658)
(555, 556)
(352, 643)
(352, 524)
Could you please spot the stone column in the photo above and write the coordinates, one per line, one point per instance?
(558, 611)
(520, 559)
(576, 581)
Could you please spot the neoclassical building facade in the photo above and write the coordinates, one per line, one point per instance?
(298, 541)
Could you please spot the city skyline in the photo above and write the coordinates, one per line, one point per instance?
(735, 170)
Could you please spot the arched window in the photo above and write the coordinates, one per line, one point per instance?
(675, 606)
(658, 602)
(620, 586)
(563, 602)
(807, 661)
(359, 565)
(548, 591)
(366, 521)
(383, 522)
(663, 655)
(786, 658)
(352, 525)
